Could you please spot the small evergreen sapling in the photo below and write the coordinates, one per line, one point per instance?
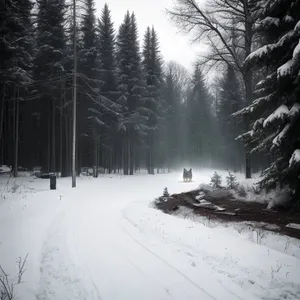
(166, 192)
(231, 182)
(216, 180)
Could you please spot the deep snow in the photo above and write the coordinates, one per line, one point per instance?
(104, 240)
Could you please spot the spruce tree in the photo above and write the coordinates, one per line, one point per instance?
(229, 102)
(276, 111)
(152, 66)
(106, 44)
(130, 85)
(200, 121)
(16, 44)
(90, 118)
(48, 68)
(108, 77)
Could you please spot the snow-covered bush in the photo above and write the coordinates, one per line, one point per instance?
(216, 180)
(231, 182)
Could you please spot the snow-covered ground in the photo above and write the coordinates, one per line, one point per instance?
(104, 240)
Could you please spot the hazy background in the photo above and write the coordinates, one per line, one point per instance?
(174, 45)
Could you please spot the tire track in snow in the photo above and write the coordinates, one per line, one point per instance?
(169, 265)
(182, 246)
(60, 278)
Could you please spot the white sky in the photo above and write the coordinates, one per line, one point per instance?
(174, 45)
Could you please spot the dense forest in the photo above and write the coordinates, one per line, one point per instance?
(134, 110)
(137, 111)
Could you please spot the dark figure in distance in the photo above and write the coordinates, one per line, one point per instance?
(187, 175)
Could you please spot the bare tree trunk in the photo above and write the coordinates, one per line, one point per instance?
(2, 111)
(16, 133)
(95, 152)
(248, 77)
(125, 154)
(49, 137)
(67, 149)
(53, 165)
(61, 128)
(131, 152)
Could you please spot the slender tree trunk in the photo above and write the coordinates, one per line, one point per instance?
(2, 111)
(67, 143)
(14, 129)
(125, 154)
(131, 152)
(95, 152)
(61, 140)
(49, 137)
(17, 133)
(248, 78)
(53, 167)
(62, 95)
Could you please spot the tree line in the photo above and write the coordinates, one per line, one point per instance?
(134, 110)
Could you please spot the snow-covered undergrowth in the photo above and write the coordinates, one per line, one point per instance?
(248, 190)
(103, 240)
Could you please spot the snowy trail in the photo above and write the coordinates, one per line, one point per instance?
(102, 241)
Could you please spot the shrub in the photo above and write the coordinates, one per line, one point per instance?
(216, 180)
(231, 182)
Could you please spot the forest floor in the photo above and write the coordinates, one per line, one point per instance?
(223, 206)
(105, 240)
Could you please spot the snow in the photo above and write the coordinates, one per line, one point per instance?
(295, 157)
(104, 240)
(277, 140)
(293, 225)
(295, 109)
(296, 50)
(251, 231)
(279, 113)
(5, 169)
(271, 21)
(260, 52)
(297, 27)
(285, 69)
(281, 199)
(288, 19)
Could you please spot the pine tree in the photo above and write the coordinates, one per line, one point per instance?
(130, 87)
(16, 52)
(48, 68)
(106, 48)
(152, 66)
(230, 101)
(106, 44)
(200, 121)
(276, 109)
(90, 118)
(174, 93)
(216, 180)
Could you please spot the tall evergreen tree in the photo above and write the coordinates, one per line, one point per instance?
(152, 66)
(106, 46)
(174, 92)
(276, 109)
(230, 101)
(200, 121)
(48, 67)
(16, 52)
(130, 89)
(90, 84)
